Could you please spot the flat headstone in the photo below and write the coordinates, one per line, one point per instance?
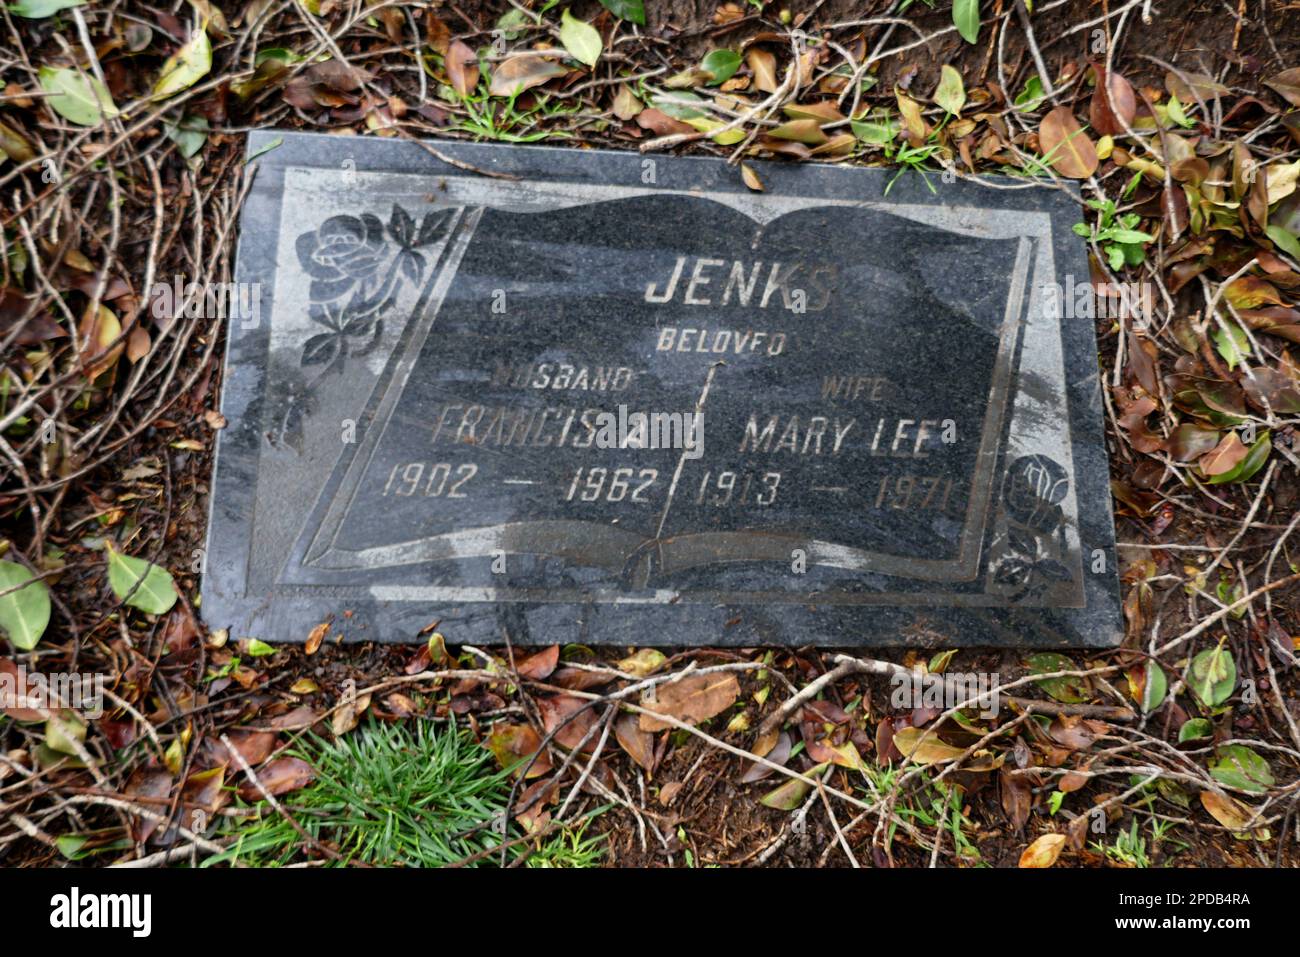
(867, 424)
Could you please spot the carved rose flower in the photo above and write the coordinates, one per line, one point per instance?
(341, 252)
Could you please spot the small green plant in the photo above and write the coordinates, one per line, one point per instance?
(924, 807)
(498, 118)
(399, 795)
(1129, 849)
(1119, 238)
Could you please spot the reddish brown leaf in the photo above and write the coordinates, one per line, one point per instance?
(1224, 456)
(637, 743)
(1065, 145)
(512, 743)
(279, 777)
(519, 73)
(660, 123)
(253, 746)
(540, 665)
(692, 699)
(1287, 84)
(1109, 116)
(569, 718)
(462, 68)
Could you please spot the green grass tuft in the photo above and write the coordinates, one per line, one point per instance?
(399, 795)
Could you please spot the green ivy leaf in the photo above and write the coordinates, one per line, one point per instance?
(1157, 686)
(580, 39)
(1213, 675)
(186, 66)
(1284, 240)
(877, 128)
(1070, 690)
(1238, 766)
(1195, 729)
(966, 14)
(77, 97)
(720, 65)
(189, 134)
(24, 613)
(39, 9)
(156, 592)
(1230, 342)
(257, 648)
(631, 10)
(951, 92)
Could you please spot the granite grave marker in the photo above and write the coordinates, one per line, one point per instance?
(575, 396)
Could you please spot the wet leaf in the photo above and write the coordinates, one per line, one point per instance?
(1251, 292)
(65, 732)
(720, 65)
(951, 92)
(1238, 766)
(186, 66)
(253, 746)
(966, 16)
(1228, 811)
(1287, 84)
(626, 105)
(645, 662)
(1043, 852)
(580, 39)
(807, 131)
(763, 65)
(1066, 146)
(281, 776)
(514, 743)
(779, 754)
(569, 718)
(1213, 675)
(540, 665)
(1105, 120)
(315, 637)
(630, 10)
(640, 745)
(660, 123)
(462, 68)
(77, 97)
(520, 73)
(924, 747)
(24, 612)
(790, 795)
(348, 713)
(692, 699)
(156, 592)
(913, 123)
(1248, 466)
(1190, 441)
(39, 9)
(1224, 456)
(96, 333)
(1068, 689)
(1148, 686)
(1196, 729)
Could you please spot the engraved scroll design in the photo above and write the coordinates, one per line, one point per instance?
(1034, 544)
(357, 265)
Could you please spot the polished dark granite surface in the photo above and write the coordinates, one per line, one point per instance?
(613, 399)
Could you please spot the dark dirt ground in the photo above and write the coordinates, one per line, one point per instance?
(723, 823)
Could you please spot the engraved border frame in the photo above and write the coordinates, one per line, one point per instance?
(382, 613)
